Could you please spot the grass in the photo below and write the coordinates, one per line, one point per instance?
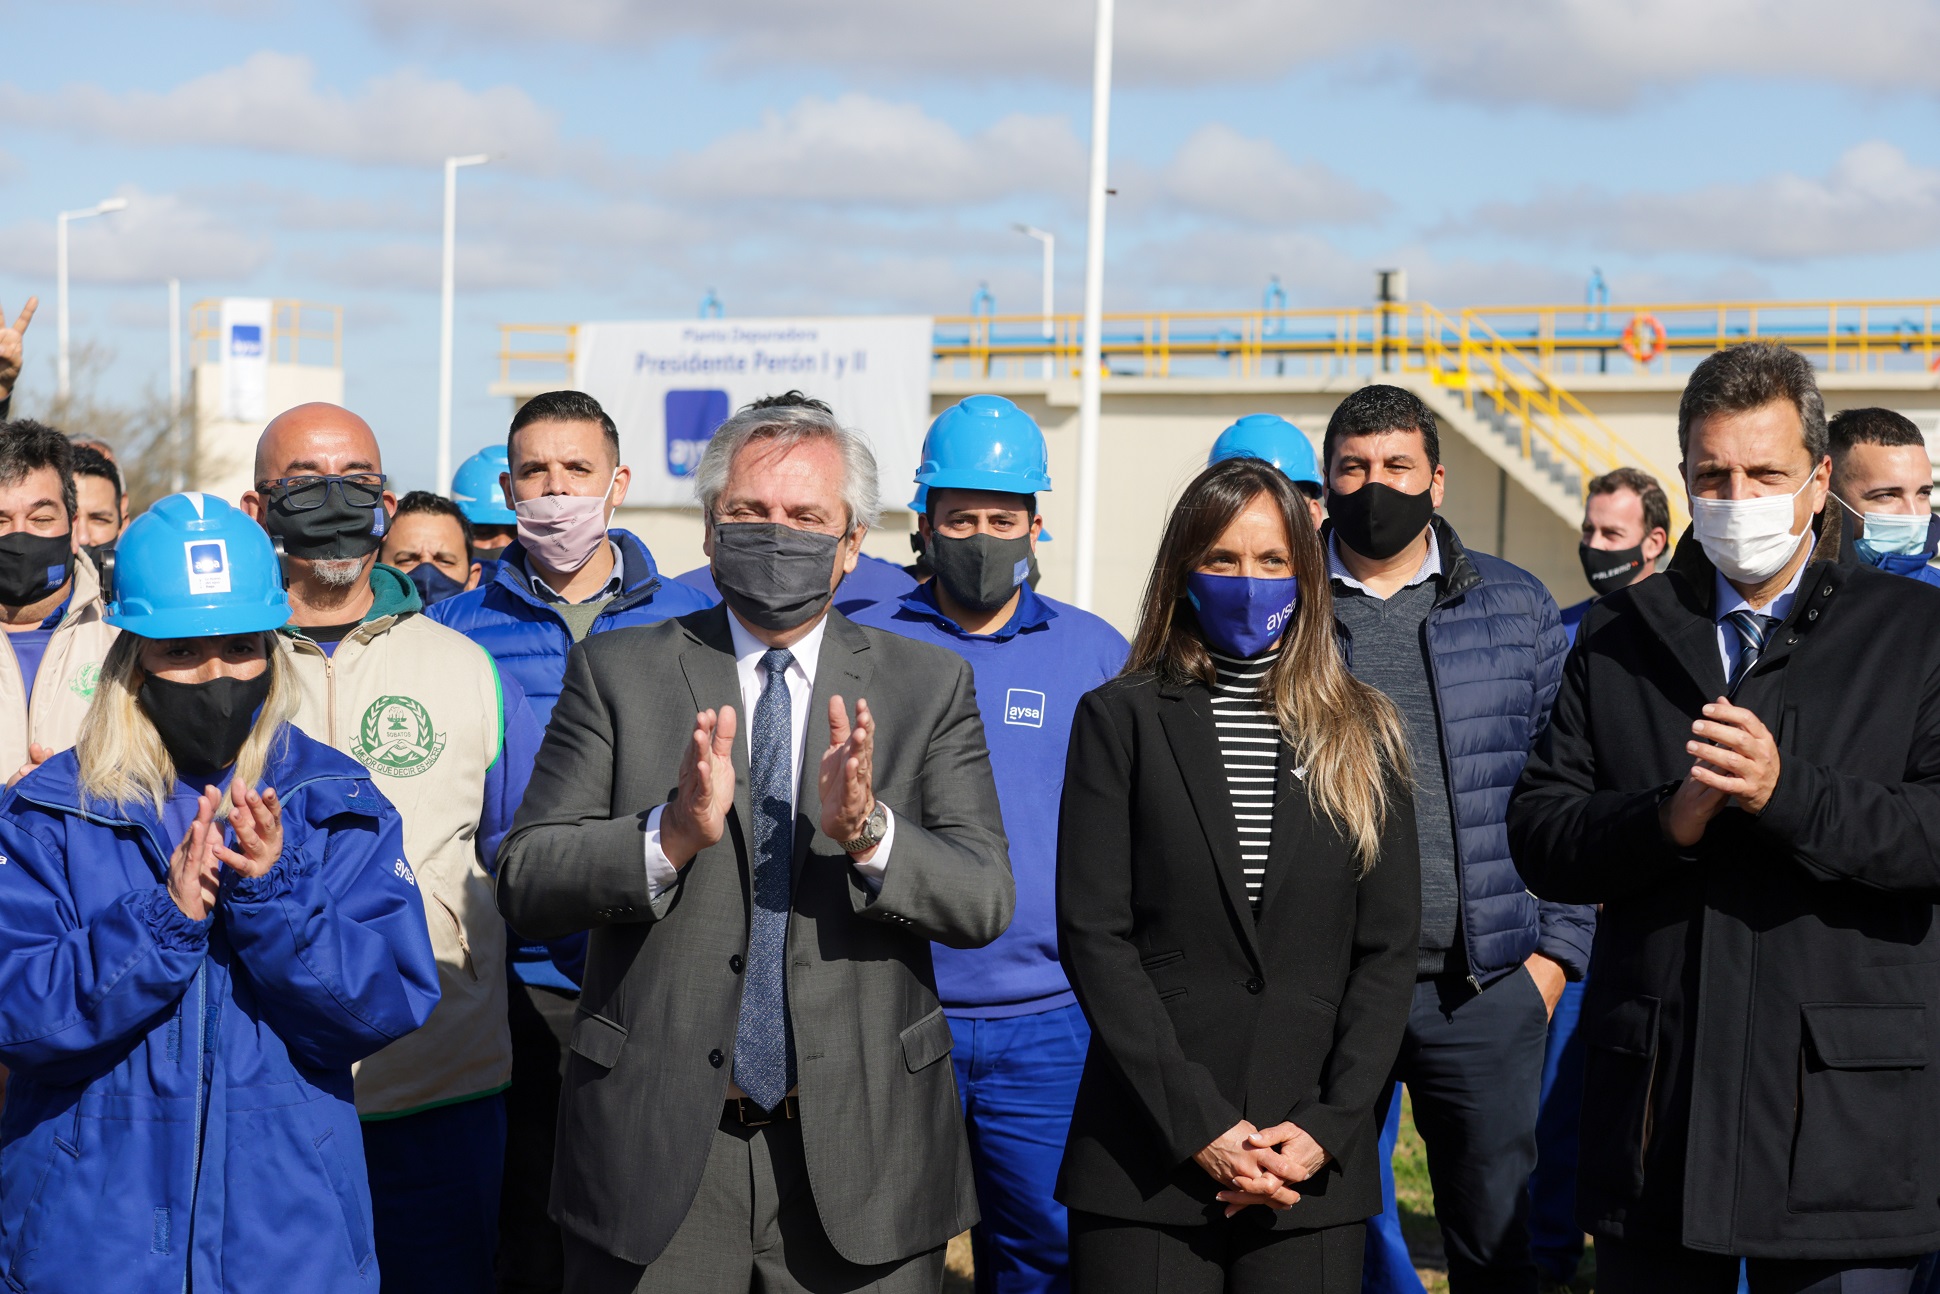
(1415, 1199)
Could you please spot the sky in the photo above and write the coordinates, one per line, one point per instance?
(872, 156)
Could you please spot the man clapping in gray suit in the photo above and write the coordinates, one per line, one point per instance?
(759, 1094)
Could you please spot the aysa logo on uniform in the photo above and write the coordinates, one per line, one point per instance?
(1024, 708)
(396, 738)
(208, 563)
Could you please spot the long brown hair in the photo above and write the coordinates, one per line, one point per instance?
(1347, 736)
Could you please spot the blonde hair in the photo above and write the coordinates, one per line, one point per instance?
(123, 760)
(1347, 735)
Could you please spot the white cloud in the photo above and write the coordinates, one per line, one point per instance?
(159, 236)
(1220, 172)
(856, 150)
(271, 102)
(1873, 201)
(1582, 53)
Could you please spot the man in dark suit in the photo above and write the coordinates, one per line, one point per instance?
(760, 1092)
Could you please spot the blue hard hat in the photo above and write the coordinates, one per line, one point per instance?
(921, 503)
(475, 488)
(193, 566)
(985, 442)
(1273, 438)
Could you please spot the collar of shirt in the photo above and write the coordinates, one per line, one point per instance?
(1726, 599)
(1031, 612)
(1431, 565)
(614, 584)
(800, 677)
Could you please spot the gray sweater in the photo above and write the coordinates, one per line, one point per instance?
(1390, 651)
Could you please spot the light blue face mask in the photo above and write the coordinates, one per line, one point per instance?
(1889, 534)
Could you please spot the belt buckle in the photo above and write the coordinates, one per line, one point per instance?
(741, 1113)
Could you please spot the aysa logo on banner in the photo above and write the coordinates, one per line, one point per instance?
(692, 417)
(668, 385)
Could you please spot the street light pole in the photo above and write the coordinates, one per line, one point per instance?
(444, 335)
(1050, 242)
(177, 442)
(1089, 393)
(60, 273)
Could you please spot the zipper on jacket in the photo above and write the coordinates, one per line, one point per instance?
(1441, 752)
(195, 1167)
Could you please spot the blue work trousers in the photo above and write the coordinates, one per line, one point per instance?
(434, 1194)
(1018, 1077)
(1555, 1239)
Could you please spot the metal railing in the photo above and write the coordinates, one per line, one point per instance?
(300, 332)
(537, 353)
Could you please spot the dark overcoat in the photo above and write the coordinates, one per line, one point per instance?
(1761, 1008)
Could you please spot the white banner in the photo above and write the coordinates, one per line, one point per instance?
(669, 384)
(245, 358)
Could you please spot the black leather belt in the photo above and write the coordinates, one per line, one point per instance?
(745, 1113)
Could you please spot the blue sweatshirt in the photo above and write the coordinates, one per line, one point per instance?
(1029, 676)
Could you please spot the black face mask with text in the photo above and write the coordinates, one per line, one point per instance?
(1377, 521)
(204, 724)
(1609, 569)
(33, 566)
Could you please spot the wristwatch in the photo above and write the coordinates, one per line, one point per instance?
(874, 828)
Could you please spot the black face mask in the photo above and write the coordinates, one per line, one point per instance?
(204, 724)
(773, 576)
(336, 528)
(486, 556)
(33, 566)
(1609, 569)
(1378, 521)
(434, 586)
(980, 572)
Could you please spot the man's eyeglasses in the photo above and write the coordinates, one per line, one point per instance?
(306, 493)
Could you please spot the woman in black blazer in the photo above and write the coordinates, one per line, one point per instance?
(1238, 907)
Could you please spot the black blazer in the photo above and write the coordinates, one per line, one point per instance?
(1200, 1015)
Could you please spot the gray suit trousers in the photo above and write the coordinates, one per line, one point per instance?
(753, 1226)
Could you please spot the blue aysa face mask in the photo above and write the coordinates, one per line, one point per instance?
(1242, 616)
(433, 584)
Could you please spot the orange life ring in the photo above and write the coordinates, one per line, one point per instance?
(1634, 343)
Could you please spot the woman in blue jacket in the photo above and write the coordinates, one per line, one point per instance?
(205, 918)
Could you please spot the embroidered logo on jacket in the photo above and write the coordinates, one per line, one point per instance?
(396, 738)
(85, 680)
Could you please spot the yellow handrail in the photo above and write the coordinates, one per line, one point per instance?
(300, 332)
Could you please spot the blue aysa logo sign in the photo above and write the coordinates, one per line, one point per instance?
(1024, 708)
(691, 419)
(208, 562)
(246, 340)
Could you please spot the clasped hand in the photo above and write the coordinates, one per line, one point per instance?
(1257, 1166)
(1736, 761)
(195, 868)
(696, 817)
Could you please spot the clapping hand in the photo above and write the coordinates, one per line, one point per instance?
(194, 871)
(258, 823)
(697, 816)
(848, 772)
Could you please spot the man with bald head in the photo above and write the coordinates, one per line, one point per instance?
(450, 743)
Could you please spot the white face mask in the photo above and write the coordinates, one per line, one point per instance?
(1750, 540)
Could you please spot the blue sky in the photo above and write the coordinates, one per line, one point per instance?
(870, 155)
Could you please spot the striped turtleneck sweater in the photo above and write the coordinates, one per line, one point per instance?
(1249, 746)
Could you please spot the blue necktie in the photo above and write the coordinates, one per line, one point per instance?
(1751, 629)
(764, 1050)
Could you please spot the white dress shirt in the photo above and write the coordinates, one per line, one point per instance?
(1727, 599)
(1431, 565)
(662, 875)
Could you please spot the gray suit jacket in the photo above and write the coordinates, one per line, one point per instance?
(653, 1044)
